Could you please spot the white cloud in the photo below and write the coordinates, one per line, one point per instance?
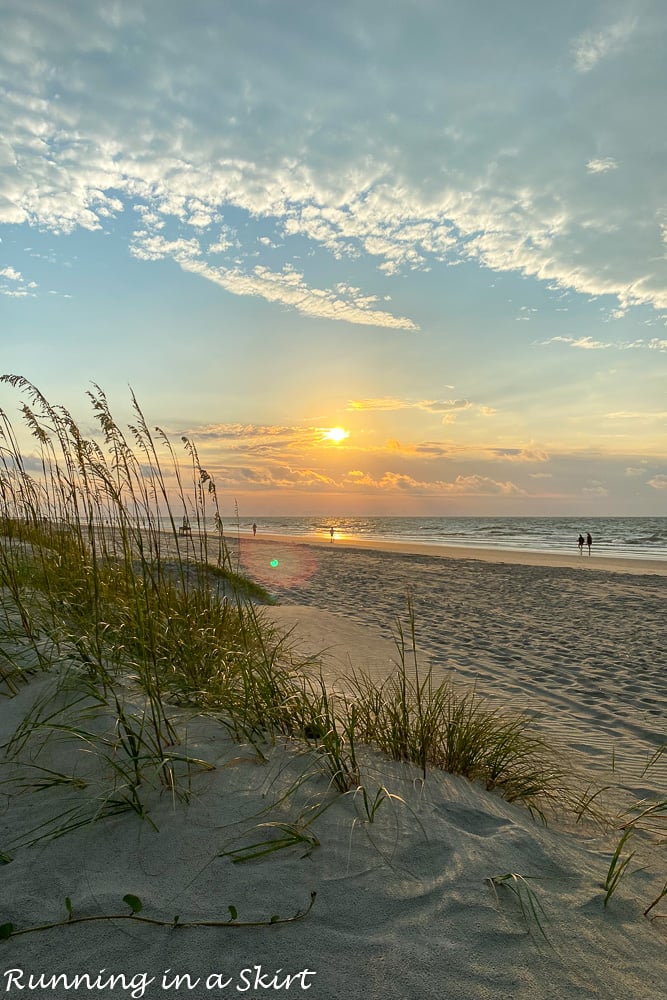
(288, 288)
(14, 285)
(156, 247)
(658, 482)
(592, 46)
(588, 344)
(11, 274)
(602, 166)
(584, 343)
(411, 149)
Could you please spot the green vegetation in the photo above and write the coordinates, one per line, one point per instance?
(135, 907)
(648, 819)
(136, 617)
(137, 621)
(532, 912)
(412, 718)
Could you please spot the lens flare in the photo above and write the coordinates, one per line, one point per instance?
(282, 565)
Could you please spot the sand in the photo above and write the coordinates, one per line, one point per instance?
(404, 906)
(582, 652)
(513, 557)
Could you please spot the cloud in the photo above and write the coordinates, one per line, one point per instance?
(242, 432)
(394, 141)
(445, 405)
(448, 407)
(530, 454)
(14, 285)
(484, 486)
(595, 490)
(471, 485)
(289, 288)
(256, 441)
(583, 343)
(593, 46)
(421, 450)
(643, 416)
(381, 403)
(658, 482)
(145, 246)
(275, 477)
(11, 274)
(602, 166)
(588, 344)
(286, 287)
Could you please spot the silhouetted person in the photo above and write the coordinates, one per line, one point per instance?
(254, 529)
(580, 543)
(589, 542)
(331, 532)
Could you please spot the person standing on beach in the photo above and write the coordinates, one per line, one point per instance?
(580, 543)
(589, 542)
(254, 529)
(331, 532)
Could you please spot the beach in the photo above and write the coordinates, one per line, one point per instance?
(577, 643)
(447, 891)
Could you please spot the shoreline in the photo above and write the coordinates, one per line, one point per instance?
(403, 859)
(580, 652)
(518, 557)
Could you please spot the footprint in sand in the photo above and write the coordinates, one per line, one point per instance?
(472, 821)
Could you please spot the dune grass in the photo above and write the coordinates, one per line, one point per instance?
(412, 718)
(96, 575)
(647, 819)
(140, 618)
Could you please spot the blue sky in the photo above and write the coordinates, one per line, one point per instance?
(438, 225)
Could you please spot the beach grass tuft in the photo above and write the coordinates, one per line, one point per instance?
(110, 571)
(114, 568)
(532, 911)
(411, 717)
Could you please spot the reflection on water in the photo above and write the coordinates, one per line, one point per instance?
(625, 537)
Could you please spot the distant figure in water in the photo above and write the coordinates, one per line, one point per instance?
(589, 542)
(580, 543)
(254, 530)
(331, 532)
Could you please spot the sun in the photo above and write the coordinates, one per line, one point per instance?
(335, 434)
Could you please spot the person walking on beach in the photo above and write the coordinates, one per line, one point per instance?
(589, 542)
(254, 529)
(580, 543)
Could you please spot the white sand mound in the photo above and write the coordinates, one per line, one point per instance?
(404, 909)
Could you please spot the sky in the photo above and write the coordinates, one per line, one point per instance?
(372, 256)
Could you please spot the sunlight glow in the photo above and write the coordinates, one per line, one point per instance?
(335, 434)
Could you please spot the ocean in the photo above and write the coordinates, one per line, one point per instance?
(620, 537)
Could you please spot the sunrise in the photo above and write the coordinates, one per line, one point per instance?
(333, 499)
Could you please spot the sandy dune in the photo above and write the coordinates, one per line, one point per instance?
(405, 909)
